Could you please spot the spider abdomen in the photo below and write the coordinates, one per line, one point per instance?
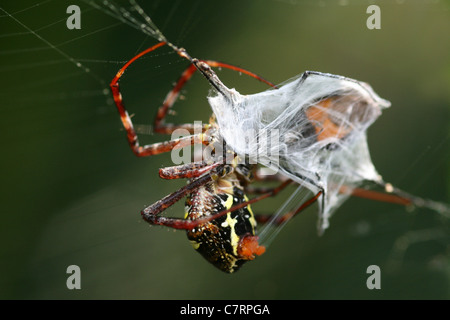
(223, 241)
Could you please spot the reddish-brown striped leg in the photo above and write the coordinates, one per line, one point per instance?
(289, 215)
(187, 171)
(357, 192)
(189, 224)
(361, 193)
(216, 64)
(379, 196)
(151, 213)
(171, 98)
(397, 196)
(173, 95)
(167, 128)
(132, 137)
(249, 189)
(166, 146)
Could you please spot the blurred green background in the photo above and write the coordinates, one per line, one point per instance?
(72, 189)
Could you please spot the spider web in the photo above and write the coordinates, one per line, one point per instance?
(64, 164)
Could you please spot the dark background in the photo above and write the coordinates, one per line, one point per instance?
(72, 190)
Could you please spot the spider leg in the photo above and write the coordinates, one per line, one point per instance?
(166, 146)
(171, 98)
(204, 67)
(249, 189)
(132, 137)
(378, 196)
(217, 64)
(151, 213)
(187, 171)
(397, 196)
(394, 197)
(167, 128)
(289, 215)
(261, 218)
(357, 192)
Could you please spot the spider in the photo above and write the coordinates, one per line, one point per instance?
(219, 220)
